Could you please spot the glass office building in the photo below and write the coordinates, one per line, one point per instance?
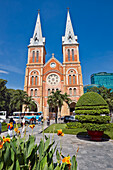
(103, 79)
(89, 86)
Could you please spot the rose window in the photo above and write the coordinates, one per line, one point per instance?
(53, 79)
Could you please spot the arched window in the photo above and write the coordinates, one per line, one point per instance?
(70, 91)
(37, 55)
(69, 79)
(48, 92)
(31, 92)
(56, 89)
(35, 92)
(36, 80)
(32, 80)
(74, 91)
(68, 55)
(33, 56)
(52, 90)
(72, 54)
(73, 79)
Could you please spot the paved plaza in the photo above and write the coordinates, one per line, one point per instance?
(91, 155)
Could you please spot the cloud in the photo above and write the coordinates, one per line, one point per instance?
(5, 72)
(11, 68)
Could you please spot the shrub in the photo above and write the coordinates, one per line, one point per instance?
(92, 112)
(19, 154)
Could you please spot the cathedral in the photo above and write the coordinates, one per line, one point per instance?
(43, 77)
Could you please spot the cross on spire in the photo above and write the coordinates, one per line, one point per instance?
(38, 11)
(68, 8)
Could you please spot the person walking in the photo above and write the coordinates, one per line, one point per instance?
(11, 127)
(23, 122)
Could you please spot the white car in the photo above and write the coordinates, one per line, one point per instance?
(2, 120)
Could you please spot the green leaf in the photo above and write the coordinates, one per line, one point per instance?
(1, 164)
(47, 144)
(17, 165)
(58, 155)
(74, 163)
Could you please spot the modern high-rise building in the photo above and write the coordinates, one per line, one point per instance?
(103, 79)
(41, 78)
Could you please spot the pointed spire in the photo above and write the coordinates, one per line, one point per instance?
(37, 36)
(69, 37)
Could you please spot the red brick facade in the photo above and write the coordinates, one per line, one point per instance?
(41, 78)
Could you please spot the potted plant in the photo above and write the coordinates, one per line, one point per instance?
(92, 113)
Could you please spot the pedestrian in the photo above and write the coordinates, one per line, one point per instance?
(0, 127)
(23, 122)
(11, 127)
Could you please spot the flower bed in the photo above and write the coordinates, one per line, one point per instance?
(21, 154)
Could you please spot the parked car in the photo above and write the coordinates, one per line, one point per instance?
(62, 118)
(69, 119)
(2, 120)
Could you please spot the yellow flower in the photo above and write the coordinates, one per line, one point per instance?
(1, 144)
(31, 126)
(16, 129)
(60, 133)
(18, 132)
(67, 160)
(6, 140)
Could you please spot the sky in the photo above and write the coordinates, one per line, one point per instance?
(92, 22)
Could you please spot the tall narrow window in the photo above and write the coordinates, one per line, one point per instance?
(74, 91)
(68, 55)
(36, 80)
(48, 92)
(31, 92)
(73, 79)
(33, 56)
(69, 79)
(32, 80)
(37, 55)
(56, 89)
(52, 90)
(70, 91)
(73, 54)
(35, 92)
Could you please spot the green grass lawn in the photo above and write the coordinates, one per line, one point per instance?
(55, 127)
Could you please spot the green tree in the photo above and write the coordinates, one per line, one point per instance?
(56, 100)
(107, 94)
(3, 94)
(29, 103)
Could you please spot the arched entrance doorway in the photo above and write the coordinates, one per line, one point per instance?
(52, 112)
(36, 107)
(72, 107)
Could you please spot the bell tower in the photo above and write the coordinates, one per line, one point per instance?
(73, 84)
(34, 67)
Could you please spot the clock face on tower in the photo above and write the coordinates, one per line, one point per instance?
(53, 79)
(52, 65)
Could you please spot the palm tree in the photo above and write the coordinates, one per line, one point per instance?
(29, 103)
(56, 100)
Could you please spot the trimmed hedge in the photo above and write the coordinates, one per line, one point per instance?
(91, 107)
(92, 112)
(91, 99)
(89, 126)
(89, 118)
